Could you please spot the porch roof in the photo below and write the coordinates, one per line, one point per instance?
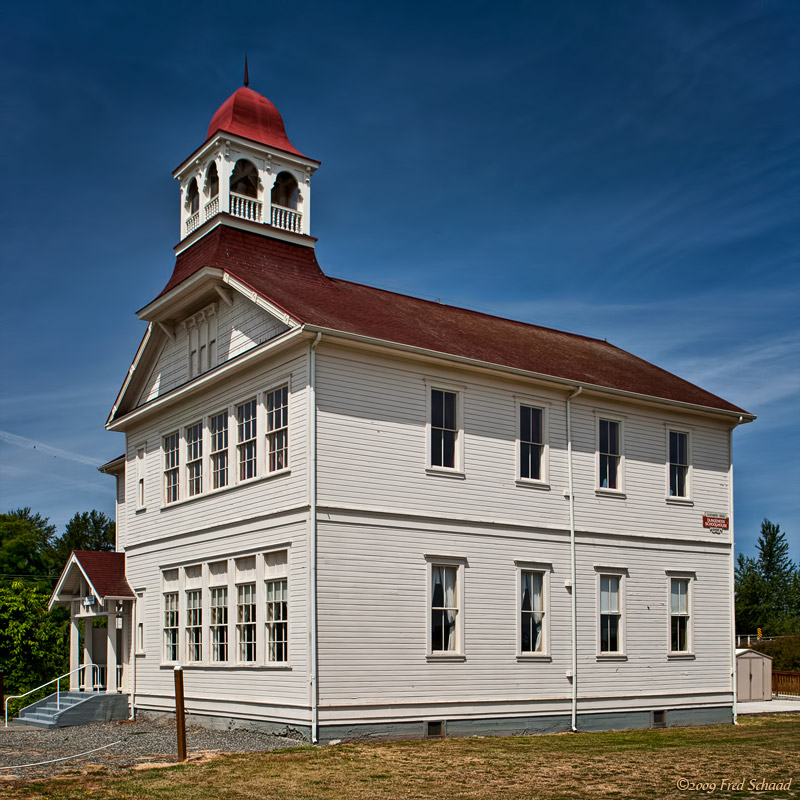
(104, 573)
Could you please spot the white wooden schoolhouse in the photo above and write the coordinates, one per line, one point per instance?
(356, 513)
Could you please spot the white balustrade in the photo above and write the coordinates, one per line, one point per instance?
(245, 207)
(286, 219)
(192, 222)
(212, 207)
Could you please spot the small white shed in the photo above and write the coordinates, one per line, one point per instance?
(753, 675)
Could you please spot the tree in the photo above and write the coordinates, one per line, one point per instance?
(768, 587)
(91, 530)
(26, 545)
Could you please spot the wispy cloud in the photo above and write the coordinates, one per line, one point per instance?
(45, 449)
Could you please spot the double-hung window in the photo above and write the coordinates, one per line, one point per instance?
(679, 615)
(218, 628)
(532, 600)
(277, 606)
(531, 443)
(194, 625)
(609, 451)
(246, 439)
(171, 467)
(678, 464)
(444, 429)
(246, 622)
(278, 428)
(610, 614)
(444, 610)
(218, 425)
(194, 458)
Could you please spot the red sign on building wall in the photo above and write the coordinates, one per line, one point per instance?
(718, 523)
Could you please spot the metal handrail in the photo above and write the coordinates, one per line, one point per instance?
(57, 682)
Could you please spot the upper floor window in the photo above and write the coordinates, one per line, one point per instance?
(246, 439)
(219, 450)
(285, 191)
(192, 197)
(444, 429)
(171, 467)
(678, 464)
(278, 428)
(140, 475)
(531, 443)
(194, 458)
(610, 454)
(244, 179)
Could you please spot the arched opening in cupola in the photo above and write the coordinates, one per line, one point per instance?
(285, 191)
(244, 180)
(212, 180)
(192, 197)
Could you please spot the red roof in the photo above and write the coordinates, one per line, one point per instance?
(289, 276)
(105, 571)
(247, 113)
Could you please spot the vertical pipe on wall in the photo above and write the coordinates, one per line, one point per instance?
(573, 562)
(312, 537)
(732, 568)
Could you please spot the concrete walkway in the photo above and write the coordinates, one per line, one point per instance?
(769, 707)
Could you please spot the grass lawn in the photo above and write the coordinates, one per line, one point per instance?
(637, 764)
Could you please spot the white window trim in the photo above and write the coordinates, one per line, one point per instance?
(184, 467)
(285, 380)
(460, 563)
(140, 475)
(287, 577)
(139, 643)
(599, 415)
(458, 471)
(687, 499)
(621, 573)
(544, 407)
(545, 569)
(163, 467)
(176, 589)
(690, 577)
(259, 423)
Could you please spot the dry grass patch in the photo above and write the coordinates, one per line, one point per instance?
(636, 764)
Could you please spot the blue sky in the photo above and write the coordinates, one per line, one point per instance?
(622, 170)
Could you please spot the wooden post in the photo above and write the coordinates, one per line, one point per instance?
(180, 714)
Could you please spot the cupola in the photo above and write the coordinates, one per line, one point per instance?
(247, 173)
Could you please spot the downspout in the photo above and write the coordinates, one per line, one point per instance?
(732, 569)
(312, 538)
(132, 654)
(573, 563)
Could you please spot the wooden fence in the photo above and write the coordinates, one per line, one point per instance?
(786, 683)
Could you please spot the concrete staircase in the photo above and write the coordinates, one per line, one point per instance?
(76, 708)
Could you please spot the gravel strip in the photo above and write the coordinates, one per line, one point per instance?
(143, 741)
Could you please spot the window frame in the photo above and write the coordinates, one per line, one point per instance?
(544, 569)
(211, 433)
(139, 629)
(689, 578)
(198, 460)
(238, 444)
(140, 490)
(684, 499)
(170, 588)
(269, 432)
(619, 490)
(621, 574)
(194, 614)
(277, 574)
(543, 482)
(458, 468)
(460, 564)
(172, 468)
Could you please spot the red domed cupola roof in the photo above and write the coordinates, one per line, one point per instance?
(248, 114)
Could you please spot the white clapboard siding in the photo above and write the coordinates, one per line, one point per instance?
(235, 503)
(374, 609)
(373, 452)
(247, 692)
(241, 326)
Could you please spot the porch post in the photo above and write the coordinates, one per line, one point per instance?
(111, 654)
(88, 674)
(74, 654)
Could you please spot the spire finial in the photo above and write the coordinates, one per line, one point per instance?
(246, 75)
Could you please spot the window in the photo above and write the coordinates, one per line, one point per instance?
(246, 622)
(171, 467)
(531, 612)
(139, 614)
(277, 606)
(284, 192)
(219, 624)
(610, 454)
(140, 498)
(246, 432)
(444, 428)
(171, 626)
(278, 428)
(212, 180)
(194, 458)
(444, 609)
(202, 340)
(679, 615)
(678, 464)
(194, 625)
(192, 197)
(610, 614)
(531, 443)
(219, 450)
(244, 180)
